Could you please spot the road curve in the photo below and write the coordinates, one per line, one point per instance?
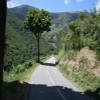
(47, 83)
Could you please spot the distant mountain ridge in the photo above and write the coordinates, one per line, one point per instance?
(57, 18)
(21, 11)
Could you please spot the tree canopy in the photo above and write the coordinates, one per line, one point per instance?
(37, 21)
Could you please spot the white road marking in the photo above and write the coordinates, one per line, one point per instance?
(53, 82)
(63, 97)
(50, 76)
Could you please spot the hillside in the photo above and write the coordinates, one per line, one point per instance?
(21, 11)
(20, 45)
(63, 17)
(57, 18)
(59, 23)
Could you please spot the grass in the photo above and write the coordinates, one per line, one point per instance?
(82, 78)
(44, 58)
(14, 86)
(16, 81)
(20, 72)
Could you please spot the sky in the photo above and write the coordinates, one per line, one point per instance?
(58, 5)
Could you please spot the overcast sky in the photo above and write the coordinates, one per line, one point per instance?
(58, 5)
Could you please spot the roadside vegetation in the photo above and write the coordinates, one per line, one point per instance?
(79, 58)
(15, 79)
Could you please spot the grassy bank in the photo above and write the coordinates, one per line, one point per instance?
(21, 72)
(82, 77)
(84, 80)
(15, 81)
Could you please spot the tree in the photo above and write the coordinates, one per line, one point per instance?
(37, 21)
(3, 9)
(76, 30)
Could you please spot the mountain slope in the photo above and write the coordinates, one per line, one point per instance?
(57, 18)
(59, 22)
(20, 45)
(63, 17)
(16, 43)
(21, 11)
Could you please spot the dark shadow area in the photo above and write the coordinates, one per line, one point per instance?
(49, 64)
(95, 94)
(14, 90)
(18, 91)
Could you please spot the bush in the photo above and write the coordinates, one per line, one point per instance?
(28, 64)
(98, 54)
(20, 68)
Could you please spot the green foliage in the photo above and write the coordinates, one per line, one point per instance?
(20, 44)
(83, 32)
(21, 11)
(60, 22)
(98, 54)
(37, 21)
(83, 78)
(18, 47)
(63, 18)
(60, 18)
(22, 68)
(20, 72)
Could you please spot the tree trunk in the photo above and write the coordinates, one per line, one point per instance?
(3, 9)
(38, 48)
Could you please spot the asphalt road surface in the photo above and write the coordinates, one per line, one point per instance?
(47, 83)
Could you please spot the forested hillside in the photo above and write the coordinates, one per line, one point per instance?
(20, 44)
(57, 18)
(63, 17)
(21, 11)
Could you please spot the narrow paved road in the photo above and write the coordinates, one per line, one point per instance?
(47, 83)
